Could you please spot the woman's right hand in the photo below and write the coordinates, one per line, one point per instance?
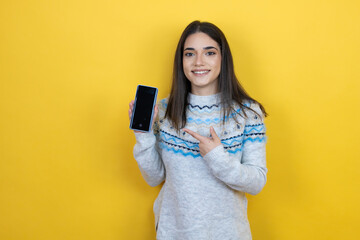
(131, 107)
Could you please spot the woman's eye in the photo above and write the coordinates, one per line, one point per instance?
(188, 54)
(210, 53)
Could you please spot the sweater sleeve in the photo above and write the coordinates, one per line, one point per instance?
(247, 174)
(148, 158)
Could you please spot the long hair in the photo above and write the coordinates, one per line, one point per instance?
(228, 85)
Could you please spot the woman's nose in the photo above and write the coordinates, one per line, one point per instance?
(199, 60)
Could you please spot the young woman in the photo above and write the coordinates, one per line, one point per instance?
(207, 144)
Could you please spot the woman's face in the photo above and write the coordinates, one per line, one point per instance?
(202, 63)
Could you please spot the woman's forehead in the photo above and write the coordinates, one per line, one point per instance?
(199, 40)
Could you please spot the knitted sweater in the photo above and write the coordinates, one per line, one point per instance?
(203, 198)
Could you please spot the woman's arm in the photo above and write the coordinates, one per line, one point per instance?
(147, 155)
(148, 158)
(248, 176)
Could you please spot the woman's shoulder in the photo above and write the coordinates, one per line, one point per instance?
(253, 105)
(163, 102)
(253, 113)
(162, 105)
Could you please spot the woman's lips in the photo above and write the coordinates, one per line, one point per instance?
(200, 72)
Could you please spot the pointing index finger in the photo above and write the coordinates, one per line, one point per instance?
(194, 134)
(213, 133)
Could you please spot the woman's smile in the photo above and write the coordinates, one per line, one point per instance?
(200, 72)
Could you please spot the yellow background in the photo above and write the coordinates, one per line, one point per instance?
(69, 68)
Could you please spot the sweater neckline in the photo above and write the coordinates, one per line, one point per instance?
(204, 100)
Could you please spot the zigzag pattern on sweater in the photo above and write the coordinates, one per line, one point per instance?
(256, 127)
(255, 132)
(190, 152)
(232, 145)
(176, 141)
(203, 107)
(215, 120)
(211, 109)
(208, 110)
(228, 142)
(179, 149)
(211, 106)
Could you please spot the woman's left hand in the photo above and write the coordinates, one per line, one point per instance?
(206, 144)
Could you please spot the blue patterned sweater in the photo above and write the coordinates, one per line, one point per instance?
(203, 198)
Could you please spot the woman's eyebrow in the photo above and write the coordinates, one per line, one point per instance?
(210, 47)
(205, 48)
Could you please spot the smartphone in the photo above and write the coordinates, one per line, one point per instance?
(143, 111)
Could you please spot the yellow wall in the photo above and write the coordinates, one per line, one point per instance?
(69, 68)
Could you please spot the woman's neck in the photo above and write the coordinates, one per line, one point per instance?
(204, 92)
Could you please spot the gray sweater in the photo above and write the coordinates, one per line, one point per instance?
(203, 198)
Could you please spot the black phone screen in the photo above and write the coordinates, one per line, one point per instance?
(143, 108)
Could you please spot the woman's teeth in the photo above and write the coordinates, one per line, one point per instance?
(201, 72)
